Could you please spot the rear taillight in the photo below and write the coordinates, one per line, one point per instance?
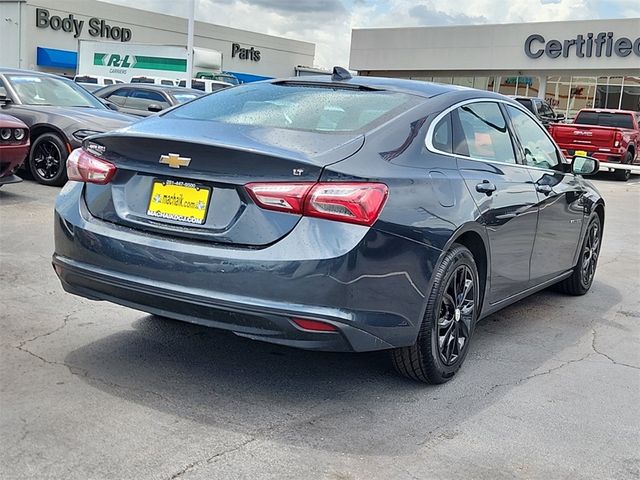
(618, 139)
(82, 166)
(353, 202)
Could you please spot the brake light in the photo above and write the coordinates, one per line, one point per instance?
(618, 139)
(85, 167)
(352, 202)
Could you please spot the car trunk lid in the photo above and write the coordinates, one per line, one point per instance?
(161, 165)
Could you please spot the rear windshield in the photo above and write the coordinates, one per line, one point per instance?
(620, 120)
(299, 107)
(142, 80)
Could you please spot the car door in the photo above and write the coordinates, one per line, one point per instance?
(502, 190)
(559, 195)
(140, 99)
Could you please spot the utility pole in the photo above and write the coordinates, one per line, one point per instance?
(192, 12)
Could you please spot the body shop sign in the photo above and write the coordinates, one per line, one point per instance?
(69, 24)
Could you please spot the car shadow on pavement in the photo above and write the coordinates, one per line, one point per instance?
(339, 402)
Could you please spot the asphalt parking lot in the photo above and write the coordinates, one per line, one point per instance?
(550, 390)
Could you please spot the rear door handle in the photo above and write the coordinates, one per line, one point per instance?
(546, 189)
(486, 187)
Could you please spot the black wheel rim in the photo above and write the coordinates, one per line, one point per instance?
(590, 253)
(47, 160)
(455, 316)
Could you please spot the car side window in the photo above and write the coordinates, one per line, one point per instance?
(119, 97)
(545, 110)
(141, 99)
(442, 138)
(539, 150)
(3, 90)
(481, 132)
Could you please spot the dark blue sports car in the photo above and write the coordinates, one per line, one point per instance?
(331, 213)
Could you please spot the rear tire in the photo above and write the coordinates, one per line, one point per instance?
(48, 160)
(624, 175)
(581, 279)
(448, 323)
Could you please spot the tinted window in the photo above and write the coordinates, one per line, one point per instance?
(142, 80)
(620, 120)
(141, 99)
(442, 135)
(483, 133)
(86, 79)
(3, 90)
(545, 110)
(525, 102)
(298, 106)
(119, 96)
(108, 81)
(538, 149)
(166, 82)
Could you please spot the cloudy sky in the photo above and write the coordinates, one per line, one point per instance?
(328, 23)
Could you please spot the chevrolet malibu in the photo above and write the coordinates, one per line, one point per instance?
(331, 213)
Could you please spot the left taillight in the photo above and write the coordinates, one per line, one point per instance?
(82, 166)
(351, 202)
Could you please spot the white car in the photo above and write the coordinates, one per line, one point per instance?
(155, 81)
(205, 84)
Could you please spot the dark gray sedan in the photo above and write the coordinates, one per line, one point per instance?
(331, 213)
(59, 113)
(144, 99)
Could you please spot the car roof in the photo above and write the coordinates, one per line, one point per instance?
(10, 71)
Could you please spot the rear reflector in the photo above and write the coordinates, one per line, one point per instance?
(314, 325)
(352, 202)
(85, 167)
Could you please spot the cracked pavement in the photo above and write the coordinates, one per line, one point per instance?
(550, 389)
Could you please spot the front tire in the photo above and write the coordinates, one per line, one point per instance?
(581, 279)
(448, 323)
(48, 160)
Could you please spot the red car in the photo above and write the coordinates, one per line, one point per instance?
(14, 146)
(611, 136)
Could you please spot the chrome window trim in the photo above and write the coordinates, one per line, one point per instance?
(446, 111)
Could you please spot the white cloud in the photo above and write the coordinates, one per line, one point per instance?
(328, 23)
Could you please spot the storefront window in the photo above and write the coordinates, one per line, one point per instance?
(631, 94)
(463, 81)
(446, 80)
(608, 92)
(558, 92)
(581, 95)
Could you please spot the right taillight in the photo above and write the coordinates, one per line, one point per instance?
(82, 166)
(618, 139)
(351, 202)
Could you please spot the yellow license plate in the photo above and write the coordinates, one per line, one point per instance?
(580, 153)
(180, 201)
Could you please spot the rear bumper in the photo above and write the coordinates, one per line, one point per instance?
(614, 156)
(368, 284)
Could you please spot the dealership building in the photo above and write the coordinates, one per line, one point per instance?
(44, 35)
(573, 65)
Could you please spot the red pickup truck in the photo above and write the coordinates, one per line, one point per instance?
(611, 136)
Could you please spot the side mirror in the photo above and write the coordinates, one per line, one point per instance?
(584, 165)
(4, 101)
(154, 107)
(560, 117)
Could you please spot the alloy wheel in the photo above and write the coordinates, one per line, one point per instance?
(46, 160)
(456, 315)
(590, 253)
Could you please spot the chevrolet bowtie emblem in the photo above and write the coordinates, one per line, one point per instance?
(174, 160)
